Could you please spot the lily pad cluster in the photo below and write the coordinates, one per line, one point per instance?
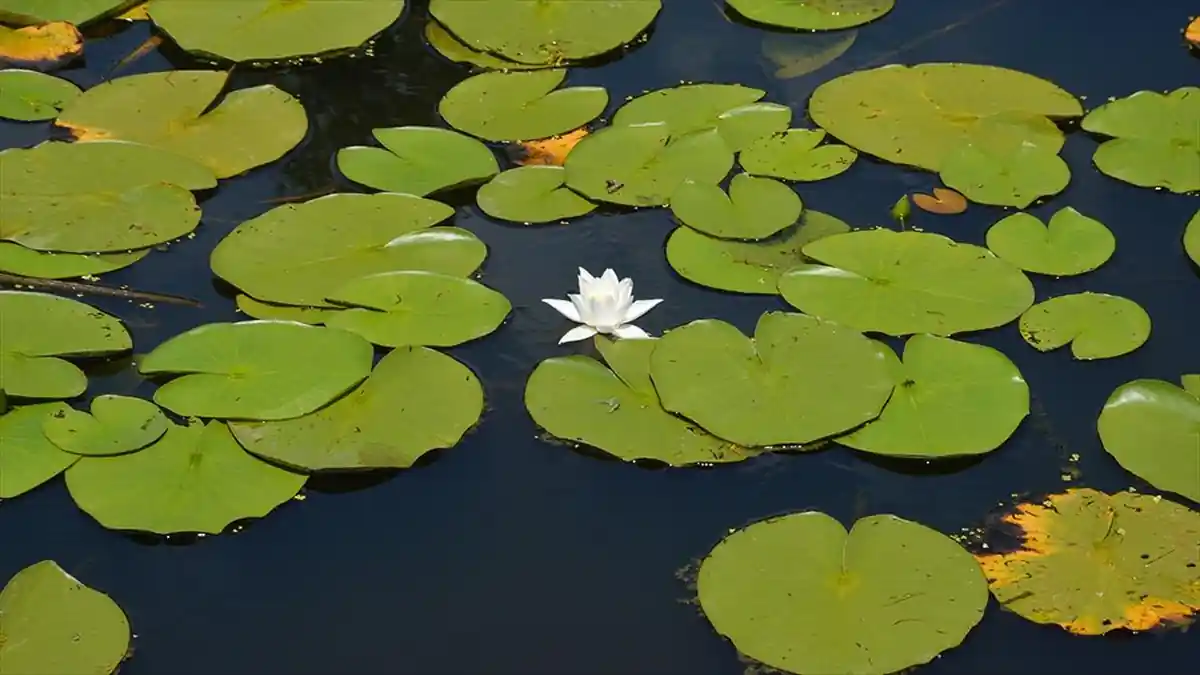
(144, 145)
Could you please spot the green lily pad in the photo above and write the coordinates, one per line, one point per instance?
(39, 330)
(1071, 244)
(799, 380)
(416, 400)
(616, 409)
(924, 115)
(170, 110)
(1191, 238)
(823, 15)
(1153, 139)
(545, 31)
(952, 399)
(740, 127)
(400, 309)
(899, 283)
(444, 43)
(1007, 177)
(257, 370)
(271, 312)
(688, 108)
(268, 30)
(1153, 429)
(418, 161)
(637, 165)
(129, 195)
(16, 259)
(1098, 326)
(27, 458)
(755, 208)
(1094, 563)
(195, 478)
(116, 425)
(796, 155)
(296, 254)
(30, 96)
(799, 593)
(77, 12)
(54, 624)
(520, 106)
(747, 266)
(795, 55)
(532, 194)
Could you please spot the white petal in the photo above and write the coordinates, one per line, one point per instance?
(577, 333)
(581, 307)
(565, 308)
(639, 308)
(630, 333)
(625, 295)
(584, 274)
(610, 277)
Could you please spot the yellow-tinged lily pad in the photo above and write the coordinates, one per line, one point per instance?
(1094, 563)
(41, 47)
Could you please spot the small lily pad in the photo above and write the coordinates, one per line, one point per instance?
(801, 594)
(943, 201)
(900, 283)
(1153, 139)
(1071, 244)
(798, 380)
(795, 155)
(1191, 238)
(54, 624)
(1098, 326)
(116, 425)
(747, 267)
(742, 126)
(1093, 563)
(532, 194)
(195, 478)
(258, 370)
(688, 108)
(614, 407)
(639, 165)
(755, 208)
(27, 458)
(416, 400)
(399, 309)
(39, 330)
(1152, 428)
(16, 259)
(952, 399)
(418, 161)
(30, 96)
(825, 15)
(520, 106)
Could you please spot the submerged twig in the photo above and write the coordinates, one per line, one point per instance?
(937, 32)
(327, 190)
(97, 289)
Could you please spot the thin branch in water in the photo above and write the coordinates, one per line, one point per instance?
(937, 32)
(327, 190)
(96, 289)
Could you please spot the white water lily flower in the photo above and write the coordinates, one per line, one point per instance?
(603, 305)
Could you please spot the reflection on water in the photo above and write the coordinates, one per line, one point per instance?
(510, 554)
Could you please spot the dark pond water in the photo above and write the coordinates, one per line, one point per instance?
(512, 555)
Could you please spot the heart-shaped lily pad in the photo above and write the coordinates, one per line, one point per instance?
(116, 425)
(1153, 429)
(257, 370)
(616, 409)
(755, 208)
(906, 282)
(1191, 238)
(1006, 176)
(418, 161)
(747, 267)
(742, 126)
(1071, 243)
(532, 194)
(797, 381)
(520, 106)
(952, 399)
(797, 155)
(688, 108)
(395, 309)
(799, 593)
(1153, 139)
(1097, 325)
(416, 400)
(27, 457)
(195, 478)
